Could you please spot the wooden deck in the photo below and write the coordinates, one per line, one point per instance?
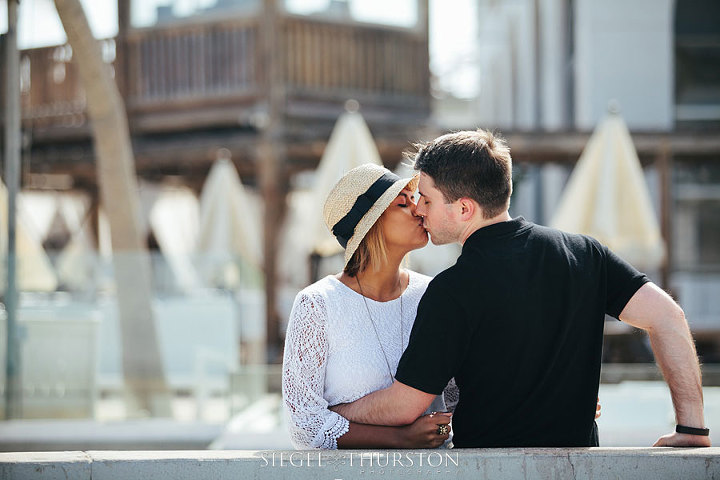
(194, 87)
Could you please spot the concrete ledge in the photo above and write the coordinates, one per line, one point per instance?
(50, 466)
(535, 463)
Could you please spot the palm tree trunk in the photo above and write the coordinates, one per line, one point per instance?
(142, 364)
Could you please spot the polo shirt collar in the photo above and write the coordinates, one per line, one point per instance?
(497, 230)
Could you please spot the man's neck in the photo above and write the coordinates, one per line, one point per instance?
(481, 222)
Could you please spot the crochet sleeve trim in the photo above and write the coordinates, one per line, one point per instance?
(311, 424)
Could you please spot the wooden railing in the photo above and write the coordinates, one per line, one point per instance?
(50, 88)
(324, 56)
(193, 62)
(219, 63)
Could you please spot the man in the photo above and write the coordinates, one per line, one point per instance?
(518, 320)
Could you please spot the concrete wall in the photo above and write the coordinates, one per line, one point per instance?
(593, 463)
(553, 65)
(507, 61)
(624, 52)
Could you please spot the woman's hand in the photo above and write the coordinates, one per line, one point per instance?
(428, 431)
(598, 407)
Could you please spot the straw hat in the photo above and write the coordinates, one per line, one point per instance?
(358, 199)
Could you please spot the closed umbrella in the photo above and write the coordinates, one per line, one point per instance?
(174, 222)
(76, 265)
(34, 270)
(350, 145)
(229, 225)
(606, 197)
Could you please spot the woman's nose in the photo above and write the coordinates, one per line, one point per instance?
(413, 209)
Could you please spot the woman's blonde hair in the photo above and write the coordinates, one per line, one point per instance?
(371, 252)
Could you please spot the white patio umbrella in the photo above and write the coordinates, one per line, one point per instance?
(229, 225)
(77, 263)
(171, 213)
(607, 198)
(34, 270)
(350, 145)
(174, 222)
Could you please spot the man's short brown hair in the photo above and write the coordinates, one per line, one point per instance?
(473, 164)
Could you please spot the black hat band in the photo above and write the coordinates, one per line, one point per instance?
(345, 227)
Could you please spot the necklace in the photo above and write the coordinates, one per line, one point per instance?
(402, 337)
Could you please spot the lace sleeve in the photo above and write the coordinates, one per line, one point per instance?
(311, 424)
(451, 395)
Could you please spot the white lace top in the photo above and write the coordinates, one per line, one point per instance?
(332, 354)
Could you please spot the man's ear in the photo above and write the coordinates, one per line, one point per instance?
(468, 207)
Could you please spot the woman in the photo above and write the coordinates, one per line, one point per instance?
(347, 332)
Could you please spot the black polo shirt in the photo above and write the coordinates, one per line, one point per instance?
(518, 321)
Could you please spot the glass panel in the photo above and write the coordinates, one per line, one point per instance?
(697, 217)
(697, 60)
(401, 13)
(40, 26)
(153, 12)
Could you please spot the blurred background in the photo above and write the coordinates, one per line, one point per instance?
(147, 295)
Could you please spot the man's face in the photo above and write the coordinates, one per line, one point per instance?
(439, 217)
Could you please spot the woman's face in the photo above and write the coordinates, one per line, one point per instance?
(402, 229)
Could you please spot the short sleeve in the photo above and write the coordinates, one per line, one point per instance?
(428, 363)
(451, 395)
(623, 280)
(311, 424)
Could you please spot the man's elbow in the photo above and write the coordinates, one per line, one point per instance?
(410, 411)
(409, 402)
(674, 321)
(679, 315)
(407, 416)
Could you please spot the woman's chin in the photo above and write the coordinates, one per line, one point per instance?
(410, 244)
(424, 241)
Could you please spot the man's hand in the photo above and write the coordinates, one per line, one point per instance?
(682, 440)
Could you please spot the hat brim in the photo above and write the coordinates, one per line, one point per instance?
(372, 215)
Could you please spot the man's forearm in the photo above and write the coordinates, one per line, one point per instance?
(653, 310)
(396, 405)
(675, 354)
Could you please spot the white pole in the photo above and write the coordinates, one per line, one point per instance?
(12, 180)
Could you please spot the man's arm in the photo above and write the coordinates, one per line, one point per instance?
(652, 310)
(395, 405)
